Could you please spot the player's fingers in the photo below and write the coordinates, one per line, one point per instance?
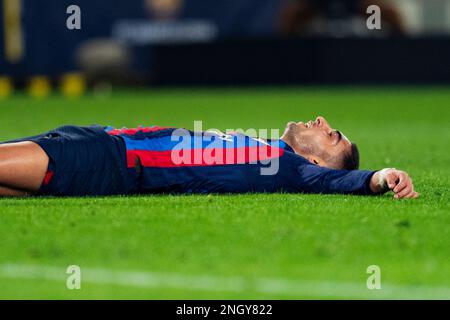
(391, 179)
(402, 184)
(405, 191)
(403, 181)
(411, 195)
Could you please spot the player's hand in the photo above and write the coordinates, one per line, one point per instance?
(396, 180)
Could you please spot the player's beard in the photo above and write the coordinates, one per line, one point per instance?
(298, 141)
(304, 145)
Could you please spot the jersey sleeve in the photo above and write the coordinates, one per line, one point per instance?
(315, 179)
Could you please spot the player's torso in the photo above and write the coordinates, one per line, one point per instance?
(177, 160)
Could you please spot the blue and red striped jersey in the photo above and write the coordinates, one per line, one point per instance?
(175, 160)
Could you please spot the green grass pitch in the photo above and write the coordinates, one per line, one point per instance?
(240, 246)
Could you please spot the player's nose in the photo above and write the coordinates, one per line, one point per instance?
(322, 122)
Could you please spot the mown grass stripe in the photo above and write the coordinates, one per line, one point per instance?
(271, 286)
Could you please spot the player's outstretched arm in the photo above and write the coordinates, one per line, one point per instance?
(392, 179)
(316, 179)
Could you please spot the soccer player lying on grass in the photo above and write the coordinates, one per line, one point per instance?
(75, 161)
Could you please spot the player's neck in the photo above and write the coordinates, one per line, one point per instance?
(294, 146)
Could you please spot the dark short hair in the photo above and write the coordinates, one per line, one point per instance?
(351, 159)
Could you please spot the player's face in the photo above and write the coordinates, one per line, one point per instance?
(317, 140)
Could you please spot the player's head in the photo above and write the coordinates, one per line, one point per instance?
(321, 144)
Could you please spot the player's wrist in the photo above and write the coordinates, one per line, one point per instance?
(379, 182)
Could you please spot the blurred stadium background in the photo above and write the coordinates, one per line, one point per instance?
(233, 42)
(232, 64)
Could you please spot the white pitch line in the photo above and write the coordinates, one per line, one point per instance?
(269, 286)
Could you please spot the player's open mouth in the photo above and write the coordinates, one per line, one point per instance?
(308, 124)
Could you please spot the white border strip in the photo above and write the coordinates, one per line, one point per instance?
(271, 287)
